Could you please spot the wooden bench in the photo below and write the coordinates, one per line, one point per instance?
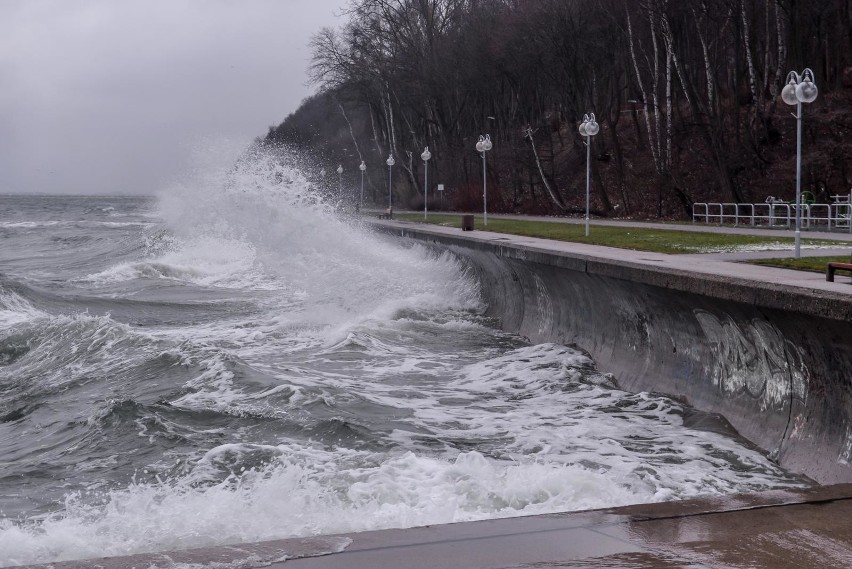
(387, 214)
(835, 265)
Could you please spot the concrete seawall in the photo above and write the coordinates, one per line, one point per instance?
(774, 359)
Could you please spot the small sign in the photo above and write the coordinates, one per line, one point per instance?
(440, 187)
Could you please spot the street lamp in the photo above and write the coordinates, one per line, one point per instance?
(426, 156)
(340, 179)
(799, 89)
(363, 168)
(588, 128)
(483, 146)
(390, 162)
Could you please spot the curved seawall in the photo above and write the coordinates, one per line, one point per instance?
(775, 360)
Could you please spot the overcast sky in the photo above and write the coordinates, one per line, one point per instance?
(113, 96)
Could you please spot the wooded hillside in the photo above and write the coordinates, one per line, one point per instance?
(686, 93)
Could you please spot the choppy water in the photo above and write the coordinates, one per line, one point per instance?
(233, 361)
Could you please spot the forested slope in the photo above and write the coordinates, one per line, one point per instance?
(686, 93)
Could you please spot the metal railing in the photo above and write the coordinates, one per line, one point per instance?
(824, 217)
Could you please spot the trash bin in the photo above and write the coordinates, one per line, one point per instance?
(467, 223)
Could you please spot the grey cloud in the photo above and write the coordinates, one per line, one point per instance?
(106, 96)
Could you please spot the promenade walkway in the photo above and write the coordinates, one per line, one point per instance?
(724, 265)
(843, 239)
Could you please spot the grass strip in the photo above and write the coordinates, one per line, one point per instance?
(635, 238)
(815, 264)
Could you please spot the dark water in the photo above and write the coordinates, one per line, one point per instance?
(233, 362)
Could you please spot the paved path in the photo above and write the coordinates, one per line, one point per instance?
(771, 531)
(844, 239)
(764, 231)
(718, 264)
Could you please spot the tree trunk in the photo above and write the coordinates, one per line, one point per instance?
(557, 201)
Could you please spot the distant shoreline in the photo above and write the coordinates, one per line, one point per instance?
(48, 195)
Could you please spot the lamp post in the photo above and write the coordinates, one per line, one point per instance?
(799, 89)
(390, 162)
(340, 179)
(363, 168)
(588, 128)
(426, 156)
(483, 146)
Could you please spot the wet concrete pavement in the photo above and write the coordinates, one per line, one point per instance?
(772, 530)
(723, 265)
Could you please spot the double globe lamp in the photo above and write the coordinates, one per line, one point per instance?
(426, 156)
(390, 162)
(799, 89)
(588, 128)
(483, 146)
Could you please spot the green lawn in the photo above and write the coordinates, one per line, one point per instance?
(816, 264)
(640, 239)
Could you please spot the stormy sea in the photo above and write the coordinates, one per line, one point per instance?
(234, 359)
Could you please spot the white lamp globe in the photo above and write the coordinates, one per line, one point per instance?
(426, 154)
(390, 160)
(592, 127)
(486, 145)
(788, 93)
(363, 166)
(806, 91)
(339, 168)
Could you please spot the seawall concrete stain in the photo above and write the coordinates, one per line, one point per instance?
(775, 361)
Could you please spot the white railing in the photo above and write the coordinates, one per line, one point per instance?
(823, 217)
